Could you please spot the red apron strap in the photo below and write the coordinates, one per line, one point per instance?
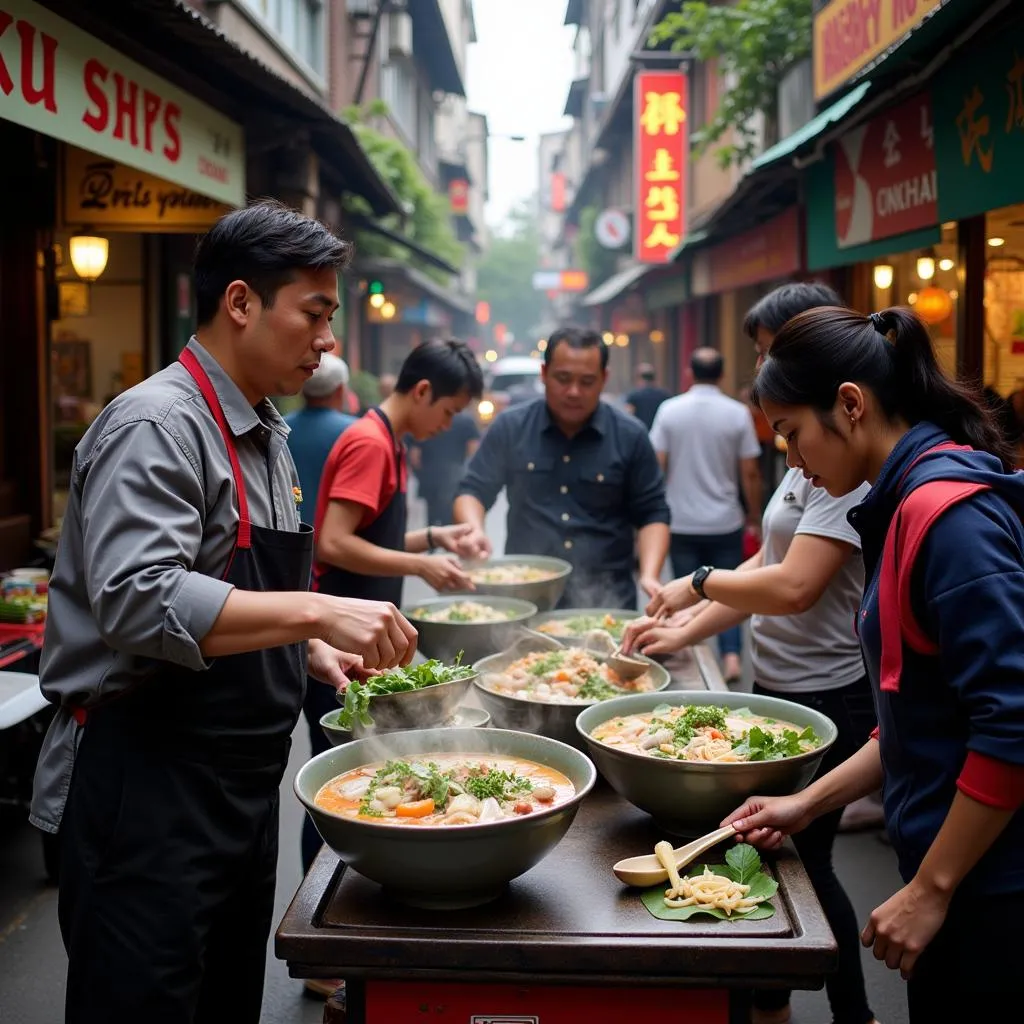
(200, 376)
(907, 531)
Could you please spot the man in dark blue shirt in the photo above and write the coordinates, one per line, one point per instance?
(582, 478)
(315, 428)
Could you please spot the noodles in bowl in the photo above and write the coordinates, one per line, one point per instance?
(688, 758)
(707, 732)
(460, 863)
(439, 789)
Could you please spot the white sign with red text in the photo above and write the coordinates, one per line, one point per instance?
(63, 82)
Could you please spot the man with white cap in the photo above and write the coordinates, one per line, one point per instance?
(315, 428)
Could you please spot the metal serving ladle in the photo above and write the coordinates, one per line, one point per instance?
(648, 869)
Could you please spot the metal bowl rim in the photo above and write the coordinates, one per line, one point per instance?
(701, 766)
(479, 684)
(440, 602)
(542, 561)
(480, 829)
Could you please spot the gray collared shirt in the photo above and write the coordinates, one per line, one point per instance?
(150, 525)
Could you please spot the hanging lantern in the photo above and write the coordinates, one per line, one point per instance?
(933, 305)
(88, 256)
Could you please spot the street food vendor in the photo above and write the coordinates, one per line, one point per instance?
(582, 478)
(178, 640)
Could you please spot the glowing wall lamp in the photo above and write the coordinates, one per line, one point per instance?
(89, 255)
(883, 275)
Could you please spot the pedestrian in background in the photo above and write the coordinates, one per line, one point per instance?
(709, 452)
(582, 480)
(315, 427)
(645, 399)
(801, 592)
(862, 399)
(439, 463)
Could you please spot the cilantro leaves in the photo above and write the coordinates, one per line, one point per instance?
(400, 680)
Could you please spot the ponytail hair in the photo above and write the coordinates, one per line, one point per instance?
(890, 353)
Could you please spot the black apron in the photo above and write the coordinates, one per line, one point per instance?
(386, 531)
(169, 837)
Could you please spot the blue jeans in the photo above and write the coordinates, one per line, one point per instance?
(690, 551)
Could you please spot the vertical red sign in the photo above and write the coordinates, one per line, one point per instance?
(558, 192)
(660, 151)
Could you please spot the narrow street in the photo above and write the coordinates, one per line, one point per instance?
(32, 960)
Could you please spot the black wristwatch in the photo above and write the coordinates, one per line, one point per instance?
(699, 579)
(430, 539)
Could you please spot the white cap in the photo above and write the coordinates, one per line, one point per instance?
(330, 375)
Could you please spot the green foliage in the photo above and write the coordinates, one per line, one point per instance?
(757, 41)
(429, 222)
(505, 273)
(591, 256)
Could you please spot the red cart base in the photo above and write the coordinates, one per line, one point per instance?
(395, 1002)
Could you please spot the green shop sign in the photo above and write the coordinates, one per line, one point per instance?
(978, 110)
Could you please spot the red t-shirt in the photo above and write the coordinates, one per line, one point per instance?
(360, 468)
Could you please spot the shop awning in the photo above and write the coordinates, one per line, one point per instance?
(176, 41)
(616, 284)
(432, 45)
(368, 224)
(813, 129)
(694, 238)
(574, 12)
(574, 100)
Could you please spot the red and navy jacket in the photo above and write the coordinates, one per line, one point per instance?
(942, 630)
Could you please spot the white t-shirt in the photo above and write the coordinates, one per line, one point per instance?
(818, 649)
(705, 434)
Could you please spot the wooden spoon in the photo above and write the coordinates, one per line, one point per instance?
(649, 870)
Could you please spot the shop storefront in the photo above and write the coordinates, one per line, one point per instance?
(979, 147)
(112, 169)
(727, 279)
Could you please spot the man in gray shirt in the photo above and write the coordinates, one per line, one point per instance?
(708, 449)
(178, 638)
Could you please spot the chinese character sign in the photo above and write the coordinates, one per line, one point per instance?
(885, 180)
(661, 147)
(978, 102)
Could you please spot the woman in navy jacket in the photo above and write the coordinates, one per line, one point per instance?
(942, 629)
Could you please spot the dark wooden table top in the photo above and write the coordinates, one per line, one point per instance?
(566, 919)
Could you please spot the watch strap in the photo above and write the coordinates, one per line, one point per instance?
(699, 578)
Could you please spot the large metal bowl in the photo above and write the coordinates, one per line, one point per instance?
(564, 614)
(692, 797)
(557, 721)
(414, 709)
(444, 640)
(465, 717)
(445, 867)
(544, 594)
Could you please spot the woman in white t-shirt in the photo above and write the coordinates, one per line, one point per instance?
(801, 592)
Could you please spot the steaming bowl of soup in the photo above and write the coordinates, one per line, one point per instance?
(476, 624)
(421, 859)
(691, 796)
(540, 685)
(535, 578)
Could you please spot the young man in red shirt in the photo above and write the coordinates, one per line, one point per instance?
(362, 546)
